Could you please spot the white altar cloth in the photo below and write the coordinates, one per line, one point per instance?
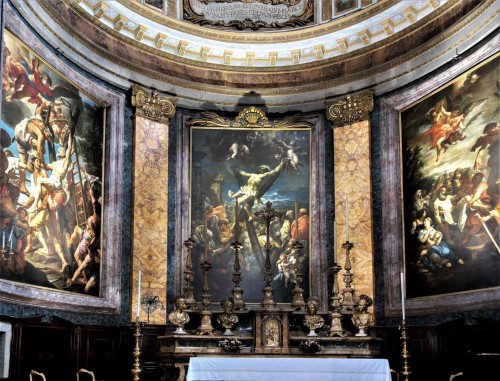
(287, 369)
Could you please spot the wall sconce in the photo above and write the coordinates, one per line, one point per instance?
(150, 303)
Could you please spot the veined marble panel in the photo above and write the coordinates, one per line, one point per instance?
(351, 144)
(150, 214)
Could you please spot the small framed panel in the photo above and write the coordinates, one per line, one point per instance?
(61, 161)
(440, 157)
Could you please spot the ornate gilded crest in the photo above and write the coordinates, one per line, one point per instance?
(351, 109)
(249, 117)
(152, 106)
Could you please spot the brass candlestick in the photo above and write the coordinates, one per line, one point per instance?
(336, 328)
(189, 275)
(267, 215)
(348, 291)
(136, 370)
(405, 354)
(237, 291)
(206, 327)
(298, 292)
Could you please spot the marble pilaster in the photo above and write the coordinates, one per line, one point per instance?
(150, 213)
(351, 140)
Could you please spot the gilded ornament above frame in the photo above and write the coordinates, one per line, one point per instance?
(153, 106)
(350, 109)
(249, 14)
(249, 118)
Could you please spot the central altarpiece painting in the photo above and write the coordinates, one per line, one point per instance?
(234, 172)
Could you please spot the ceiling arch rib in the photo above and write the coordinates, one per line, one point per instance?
(382, 66)
(315, 45)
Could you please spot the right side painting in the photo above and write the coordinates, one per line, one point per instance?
(450, 179)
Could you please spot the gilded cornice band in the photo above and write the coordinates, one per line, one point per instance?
(152, 106)
(350, 109)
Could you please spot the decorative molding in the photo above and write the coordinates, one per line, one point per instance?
(250, 117)
(350, 109)
(153, 106)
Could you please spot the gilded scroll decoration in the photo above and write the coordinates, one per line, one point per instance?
(249, 14)
(351, 109)
(153, 106)
(249, 118)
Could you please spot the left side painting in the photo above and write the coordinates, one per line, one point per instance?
(50, 176)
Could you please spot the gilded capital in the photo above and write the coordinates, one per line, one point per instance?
(350, 109)
(153, 106)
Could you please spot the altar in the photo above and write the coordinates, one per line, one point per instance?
(299, 338)
(287, 368)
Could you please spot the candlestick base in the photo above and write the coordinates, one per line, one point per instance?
(136, 370)
(405, 354)
(336, 328)
(206, 327)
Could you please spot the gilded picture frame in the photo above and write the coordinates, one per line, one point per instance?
(223, 149)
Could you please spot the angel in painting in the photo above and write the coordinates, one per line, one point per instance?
(448, 126)
(288, 151)
(31, 82)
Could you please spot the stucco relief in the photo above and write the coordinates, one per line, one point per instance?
(249, 14)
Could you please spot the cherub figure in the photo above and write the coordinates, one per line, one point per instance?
(286, 266)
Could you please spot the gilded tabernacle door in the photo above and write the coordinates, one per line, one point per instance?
(236, 167)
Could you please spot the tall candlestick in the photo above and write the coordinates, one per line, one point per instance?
(346, 220)
(296, 221)
(334, 242)
(10, 236)
(403, 296)
(236, 223)
(139, 295)
(205, 235)
(3, 239)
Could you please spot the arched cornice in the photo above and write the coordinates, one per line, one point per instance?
(420, 48)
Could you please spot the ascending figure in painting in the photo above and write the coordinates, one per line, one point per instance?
(31, 82)
(448, 127)
(444, 123)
